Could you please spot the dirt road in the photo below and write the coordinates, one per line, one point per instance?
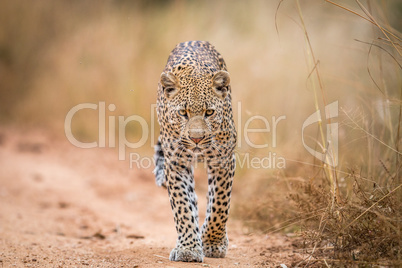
(61, 206)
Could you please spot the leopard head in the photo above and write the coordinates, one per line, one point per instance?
(194, 107)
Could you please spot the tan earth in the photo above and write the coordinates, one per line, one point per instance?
(61, 206)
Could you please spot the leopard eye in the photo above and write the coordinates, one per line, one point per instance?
(209, 112)
(168, 90)
(182, 112)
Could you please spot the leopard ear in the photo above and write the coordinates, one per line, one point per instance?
(169, 84)
(220, 83)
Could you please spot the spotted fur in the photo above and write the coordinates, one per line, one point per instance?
(195, 116)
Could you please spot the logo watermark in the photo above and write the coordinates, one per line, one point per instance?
(268, 128)
(122, 124)
(330, 148)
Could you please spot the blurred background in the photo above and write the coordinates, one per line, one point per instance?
(55, 55)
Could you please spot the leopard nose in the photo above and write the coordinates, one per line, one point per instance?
(196, 140)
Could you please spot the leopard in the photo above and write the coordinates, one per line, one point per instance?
(194, 111)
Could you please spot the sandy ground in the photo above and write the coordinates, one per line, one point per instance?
(61, 206)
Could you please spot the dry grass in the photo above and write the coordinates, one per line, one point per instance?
(349, 217)
(290, 60)
(363, 229)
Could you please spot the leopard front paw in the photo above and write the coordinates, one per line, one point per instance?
(187, 254)
(215, 250)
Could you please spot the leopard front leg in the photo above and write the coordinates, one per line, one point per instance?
(183, 200)
(214, 236)
(159, 158)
